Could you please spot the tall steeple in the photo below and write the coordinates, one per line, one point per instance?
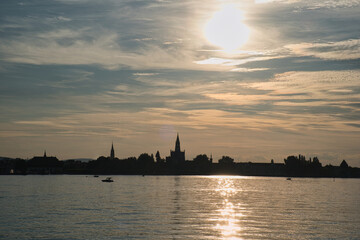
(177, 144)
(112, 152)
(177, 156)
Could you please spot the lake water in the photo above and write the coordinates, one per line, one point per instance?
(178, 207)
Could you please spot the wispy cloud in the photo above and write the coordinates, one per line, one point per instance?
(314, 83)
(230, 63)
(315, 4)
(145, 74)
(343, 50)
(248, 69)
(306, 93)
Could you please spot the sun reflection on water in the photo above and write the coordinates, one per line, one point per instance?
(228, 221)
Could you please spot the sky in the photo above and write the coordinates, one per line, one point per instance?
(252, 79)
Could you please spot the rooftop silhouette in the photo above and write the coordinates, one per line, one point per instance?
(175, 164)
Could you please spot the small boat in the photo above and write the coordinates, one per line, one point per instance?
(289, 178)
(108, 179)
(96, 176)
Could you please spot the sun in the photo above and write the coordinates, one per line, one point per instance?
(226, 29)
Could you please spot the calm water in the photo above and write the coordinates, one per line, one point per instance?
(178, 207)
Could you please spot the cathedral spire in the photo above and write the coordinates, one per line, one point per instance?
(177, 144)
(112, 152)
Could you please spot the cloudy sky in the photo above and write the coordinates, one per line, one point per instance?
(253, 79)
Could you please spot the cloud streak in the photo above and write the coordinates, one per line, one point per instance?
(81, 73)
(342, 50)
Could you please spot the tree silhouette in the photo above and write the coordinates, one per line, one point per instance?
(201, 158)
(344, 164)
(226, 160)
(145, 159)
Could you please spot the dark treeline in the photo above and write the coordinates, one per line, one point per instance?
(145, 164)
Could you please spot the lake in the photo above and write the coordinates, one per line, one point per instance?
(178, 207)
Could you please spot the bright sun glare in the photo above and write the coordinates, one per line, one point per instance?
(226, 29)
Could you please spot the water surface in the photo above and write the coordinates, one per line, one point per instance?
(178, 207)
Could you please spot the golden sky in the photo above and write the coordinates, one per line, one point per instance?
(255, 80)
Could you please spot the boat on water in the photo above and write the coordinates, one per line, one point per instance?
(289, 178)
(108, 179)
(96, 175)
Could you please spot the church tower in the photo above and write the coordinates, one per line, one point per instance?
(177, 156)
(112, 152)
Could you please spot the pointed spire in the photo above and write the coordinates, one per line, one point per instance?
(112, 152)
(177, 144)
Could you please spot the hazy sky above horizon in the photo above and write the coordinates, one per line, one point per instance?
(254, 80)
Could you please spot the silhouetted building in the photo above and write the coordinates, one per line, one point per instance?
(112, 152)
(177, 156)
(44, 165)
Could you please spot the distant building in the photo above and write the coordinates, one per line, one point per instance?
(177, 156)
(44, 165)
(43, 159)
(112, 152)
